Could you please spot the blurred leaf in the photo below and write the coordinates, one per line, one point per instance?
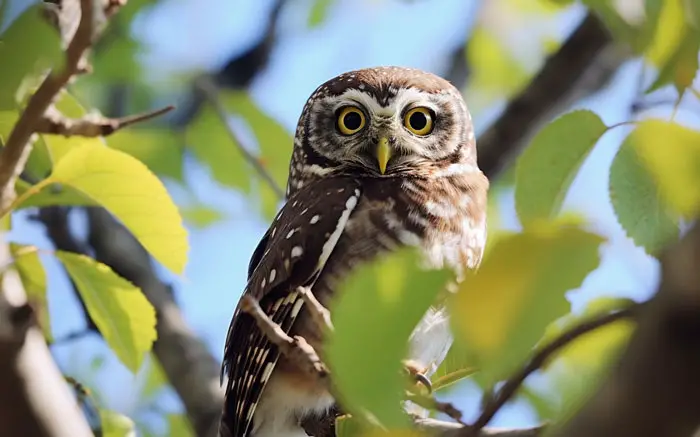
(159, 149)
(201, 216)
(155, 380)
(637, 36)
(117, 62)
(545, 408)
(670, 30)
(269, 201)
(495, 69)
(375, 312)
(211, 144)
(29, 55)
(179, 426)
(319, 11)
(31, 272)
(548, 166)
(642, 212)
(39, 162)
(116, 425)
(676, 166)
(125, 318)
(348, 426)
(51, 195)
(127, 189)
(274, 141)
(501, 326)
(692, 8)
(456, 366)
(682, 65)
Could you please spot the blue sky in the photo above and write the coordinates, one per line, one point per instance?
(184, 35)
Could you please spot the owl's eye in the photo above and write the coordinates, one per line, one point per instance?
(419, 121)
(350, 120)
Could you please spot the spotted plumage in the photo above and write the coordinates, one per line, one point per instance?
(383, 158)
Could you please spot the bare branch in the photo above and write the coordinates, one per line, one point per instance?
(433, 404)
(209, 89)
(295, 349)
(510, 387)
(450, 429)
(53, 122)
(320, 314)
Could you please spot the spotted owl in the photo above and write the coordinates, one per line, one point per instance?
(383, 158)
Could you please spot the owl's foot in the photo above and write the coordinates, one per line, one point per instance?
(418, 373)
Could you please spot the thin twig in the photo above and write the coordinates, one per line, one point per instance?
(211, 93)
(450, 429)
(431, 403)
(53, 122)
(295, 349)
(320, 314)
(494, 403)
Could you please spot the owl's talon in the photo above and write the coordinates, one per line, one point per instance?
(425, 381)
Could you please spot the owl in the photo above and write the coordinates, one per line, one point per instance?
(383, 158)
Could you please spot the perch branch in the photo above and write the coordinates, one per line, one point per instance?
(53, 122)
(295, 349)
(320, 314)
(450, 429)
(433, 404)
(209, 89)
(508, 389)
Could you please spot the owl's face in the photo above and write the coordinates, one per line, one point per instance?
(383, 122)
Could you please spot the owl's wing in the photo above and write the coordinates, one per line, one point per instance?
(291, 254)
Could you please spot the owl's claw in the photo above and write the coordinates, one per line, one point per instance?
(418, 374)
(425, 381)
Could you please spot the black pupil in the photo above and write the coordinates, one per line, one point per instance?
(418, 120)
(352, 120)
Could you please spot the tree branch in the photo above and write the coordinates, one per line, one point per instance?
(14, 155)
(583, 64)
(449, 429)
(53, 122)
(34, 400)
(211, 94)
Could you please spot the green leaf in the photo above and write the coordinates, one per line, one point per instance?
(670, 30)
(682, 66)
(28, 55)
(348, 426)
(127, 189)
(116, 425)
(201, 216)
(179, 426)
(155, 380)
(209, 140)
(159, 149)
(456, 366)
(31, 272)
(375, 312)
(39, 162)
(117, 61)
(125, 318)
(645, 216)
(319, 10)
(501, 327)
(546, 169)
(50, 195)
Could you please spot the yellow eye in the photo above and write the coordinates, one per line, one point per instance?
(350, 120)
(419, 121)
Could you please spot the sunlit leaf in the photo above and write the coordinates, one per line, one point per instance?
(675, 166)
(156, 379)
(348, 426)
(456, 366)
(547, 167)
(125, 318)
(39, 162)
(501, 316)
(318, 13)
(201, 216)
(29, 55)
(669, 34)
(116, 424)
(645, 216)
(160, 149)
(31, 272)
(682, 66)
(377, 309)
(209, 140)
(127, 189)
(179, 426)
(51, 195)
(117, 60)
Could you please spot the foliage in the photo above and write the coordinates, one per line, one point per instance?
(500, 315)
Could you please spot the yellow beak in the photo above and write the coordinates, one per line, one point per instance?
(383, 154)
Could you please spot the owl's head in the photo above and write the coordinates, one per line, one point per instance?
(383, 122)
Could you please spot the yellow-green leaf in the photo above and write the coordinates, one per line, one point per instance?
(125, 318)
(375, 312)
(319, 10)
(669, 33)
(546, 169)
(682, 66)
(503, 309)
(116, 425)
(456, 366)
(127, 189)
(643, 214)
(160, 149)
(31, 272)
(349, 426)
(675, 165)
(51, 195)
(179, 426)
(201, 216)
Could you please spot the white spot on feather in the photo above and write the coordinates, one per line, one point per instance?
(314, 219)
(297, 251)
(273, 274)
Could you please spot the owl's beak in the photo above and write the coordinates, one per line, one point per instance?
(383, 154)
